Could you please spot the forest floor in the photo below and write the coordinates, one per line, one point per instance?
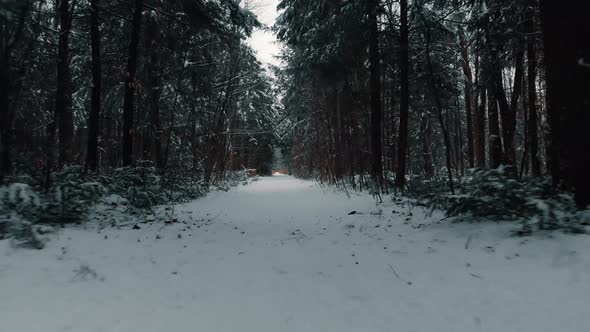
(282, 254)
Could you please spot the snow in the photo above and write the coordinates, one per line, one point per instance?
(282, 254)
(19, 194)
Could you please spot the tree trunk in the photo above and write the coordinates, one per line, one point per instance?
(509, 119)
(393, 147)
(426, 131)
(524, 161)
(495, 148)
(63, 94)
(130, 86)
(439, 107)
(497, 91)
(155, 91)
(375, 88)
(479, 129)
(400, 178)
(533, 135)
(9, 86)
(95, 102)
(468, 87)
(459, 141)
(497, 97)
(567, 57)
(6, 117)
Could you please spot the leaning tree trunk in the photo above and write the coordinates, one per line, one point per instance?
(375, 88)
(95, 101)
(400, 178)
(567, 57)
(63, 94)
(130, 85)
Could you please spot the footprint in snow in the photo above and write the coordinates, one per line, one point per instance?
(296, 235)
(323, 275)
(489, 249)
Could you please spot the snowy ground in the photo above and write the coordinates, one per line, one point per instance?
(284, 255)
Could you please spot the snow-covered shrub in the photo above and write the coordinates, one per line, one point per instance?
(179, 189)
(556, 212)
(115, 200)
(496, 195)
(21, 207)
(232, 179)
(70, 196)
(20, 199)
(492, 193)
(25, 234)
(141, 185)
(18, 202)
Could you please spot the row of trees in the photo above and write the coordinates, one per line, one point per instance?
(106, 83)
(399, 89)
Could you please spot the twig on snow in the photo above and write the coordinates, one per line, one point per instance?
(393, 271)
(409, 283)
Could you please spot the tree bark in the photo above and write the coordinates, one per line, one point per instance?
(426, 131)
(497, 97)
(495, 148)
(468, 87)
(567, 59)
(479, 130)
(509, 119)
(507, 110)
(533, 135)
(400, 178)
(130, 86)
(95, 102)
(6, 120)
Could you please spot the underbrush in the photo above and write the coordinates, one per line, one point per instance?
(484, 194)
(28, 206)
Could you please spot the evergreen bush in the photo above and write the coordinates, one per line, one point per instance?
(70, 196)
(494, 194)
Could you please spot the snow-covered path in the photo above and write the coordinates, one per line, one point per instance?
(282, 254)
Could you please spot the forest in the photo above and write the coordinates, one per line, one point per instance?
(106, 84)
(144, 129)
(411, 92)
(422, 98)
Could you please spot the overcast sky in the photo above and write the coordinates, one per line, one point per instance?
(264, 42)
